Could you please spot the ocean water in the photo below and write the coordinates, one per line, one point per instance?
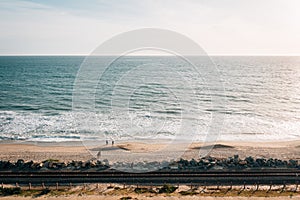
(140, 97)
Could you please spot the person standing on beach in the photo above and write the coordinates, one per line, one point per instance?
(106, 142)
(112, 143)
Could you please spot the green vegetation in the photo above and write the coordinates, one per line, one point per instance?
(43, 192)
(143, 190)
(10, 191)
(188, 192)
(167, 189)
(125, 198)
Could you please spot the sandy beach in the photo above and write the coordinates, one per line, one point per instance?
(65, 152)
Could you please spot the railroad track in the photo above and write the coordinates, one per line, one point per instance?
(154, 178)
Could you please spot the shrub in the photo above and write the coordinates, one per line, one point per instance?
(167, 189)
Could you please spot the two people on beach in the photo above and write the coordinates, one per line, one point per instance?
(106, 142)
(112, 142)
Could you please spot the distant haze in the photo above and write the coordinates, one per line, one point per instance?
(221, 27)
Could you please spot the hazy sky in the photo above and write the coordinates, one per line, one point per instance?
(219, 26)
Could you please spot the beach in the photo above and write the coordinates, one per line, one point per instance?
(62, 151)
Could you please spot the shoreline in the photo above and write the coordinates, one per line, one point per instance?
(151, 141)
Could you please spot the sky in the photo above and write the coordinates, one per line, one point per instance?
(220, 27)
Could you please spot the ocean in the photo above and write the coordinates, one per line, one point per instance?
(142, 97)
